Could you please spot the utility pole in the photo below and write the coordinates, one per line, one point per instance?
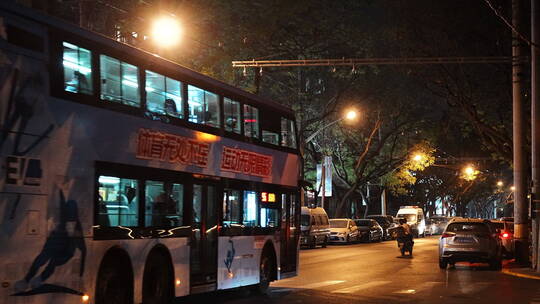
(521, 229)
(535, 129)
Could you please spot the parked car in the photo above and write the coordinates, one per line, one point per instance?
(315, 227)
(369, 230)
(392, 231)
(506, 234)
(415, 218)
(470, 240)
(343, 230)
(506, 219)
(385, 221)
(436, 224)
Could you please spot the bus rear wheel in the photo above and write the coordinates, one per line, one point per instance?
(114, 281)
(158, 279)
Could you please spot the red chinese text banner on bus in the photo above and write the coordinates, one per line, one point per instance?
(246, 162)
(172, 148)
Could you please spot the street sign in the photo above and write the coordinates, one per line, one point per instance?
(325, 170)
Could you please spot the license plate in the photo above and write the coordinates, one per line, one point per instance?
(463, 240)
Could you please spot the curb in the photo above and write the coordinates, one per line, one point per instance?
(521, 275)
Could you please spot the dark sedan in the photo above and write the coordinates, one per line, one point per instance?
(385, 221)
(369, 230)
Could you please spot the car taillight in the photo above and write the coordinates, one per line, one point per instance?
(505, 235)
(447, 234)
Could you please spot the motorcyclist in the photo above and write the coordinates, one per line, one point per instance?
(405, 237)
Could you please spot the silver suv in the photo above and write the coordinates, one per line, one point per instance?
(470, 240)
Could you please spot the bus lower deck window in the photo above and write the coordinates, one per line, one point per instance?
(164, 204)
(118, 202)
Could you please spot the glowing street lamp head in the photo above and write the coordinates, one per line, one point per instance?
(417, 157)
(469, 170)
(351, 115)
(166, 31)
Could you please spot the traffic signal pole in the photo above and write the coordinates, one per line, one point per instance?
(521, 229)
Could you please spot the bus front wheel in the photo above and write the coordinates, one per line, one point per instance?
(266, 272)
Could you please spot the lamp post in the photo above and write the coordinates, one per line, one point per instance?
(349, 115)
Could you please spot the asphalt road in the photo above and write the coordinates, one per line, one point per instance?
(375, 273)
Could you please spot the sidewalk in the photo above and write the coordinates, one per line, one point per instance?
(512, 268)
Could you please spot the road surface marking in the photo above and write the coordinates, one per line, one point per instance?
(320, 284)
(356, 288)
(419, 288)
(474, 287)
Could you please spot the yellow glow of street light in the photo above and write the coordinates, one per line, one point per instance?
(351, 115)
(499, 183)
(512, 188)
(469, 170)
(418, 157)
(166, 31)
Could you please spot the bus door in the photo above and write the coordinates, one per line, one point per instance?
(289, 232)
(203, 255)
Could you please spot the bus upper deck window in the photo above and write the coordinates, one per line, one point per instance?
(251, 121)
(203, 107)
(119, 81)
(77, 69)
(232, 115)
(163, 95)
(288, 138)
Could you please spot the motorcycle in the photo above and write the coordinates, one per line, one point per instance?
(405, 244)
(405, 241)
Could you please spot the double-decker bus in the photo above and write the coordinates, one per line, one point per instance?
(126, 178)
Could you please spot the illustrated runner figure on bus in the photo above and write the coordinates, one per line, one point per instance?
(59, 248)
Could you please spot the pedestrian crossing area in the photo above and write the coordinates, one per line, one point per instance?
(343, 287)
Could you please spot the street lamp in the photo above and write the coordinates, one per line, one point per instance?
(418, 157)
(500, 184)
(166, 31)
(469, 173)
(349, 115)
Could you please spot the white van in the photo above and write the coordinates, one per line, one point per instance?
(415, 218)
(315, 227)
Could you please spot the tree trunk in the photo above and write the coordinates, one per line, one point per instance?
(344, 199)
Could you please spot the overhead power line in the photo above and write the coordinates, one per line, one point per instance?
(375, 61)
